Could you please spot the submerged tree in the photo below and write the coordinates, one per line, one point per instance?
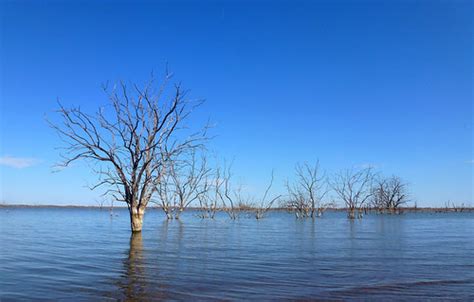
(218, 193)
(354, 188)
(265, 203)
(184, 181)
(389, 194)
(130, 141)
(306, 194)
(226, 195)
(209, 200)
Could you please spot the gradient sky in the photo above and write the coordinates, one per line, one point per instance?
(351, 83)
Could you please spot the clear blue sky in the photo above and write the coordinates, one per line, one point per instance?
(382, 83)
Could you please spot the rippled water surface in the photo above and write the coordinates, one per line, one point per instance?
(85, 254)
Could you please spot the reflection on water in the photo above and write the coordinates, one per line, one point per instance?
(134, 282)
(83, 255)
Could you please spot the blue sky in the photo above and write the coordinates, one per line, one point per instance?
(351, 83)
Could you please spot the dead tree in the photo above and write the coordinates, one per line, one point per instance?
(207, 204)
(245, 203)
(452, 207)
(354, 188)
(389, 194)
(297, 202)
(166, 195)
(126, 140)
(187, 183)
(306, 194)
(227, 195)
(264, 205)
(209, 201)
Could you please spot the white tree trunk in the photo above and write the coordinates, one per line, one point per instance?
(136, 219)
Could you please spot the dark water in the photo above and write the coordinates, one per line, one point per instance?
(84, 254)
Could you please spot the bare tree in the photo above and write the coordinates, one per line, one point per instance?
(245, 202)
(209, 201)
(130, 140)
(297, 202)
(264, 205)
(354, 188)
(220, 194)
(389, 194)
(100, 203)
(307, 193)
(227, 195)
(166, 195)
(185, 182)
(451, 206)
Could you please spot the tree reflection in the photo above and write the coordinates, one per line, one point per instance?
(141, 278)
(133, 284)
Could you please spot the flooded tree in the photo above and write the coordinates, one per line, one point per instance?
(130, 141)
(220, 194)
(451, 206)
(227, 195)
(296, 202)
(184, 181)
(389, 194)
(354, 188)
(265, 203)
(209, 201)
(306, 194)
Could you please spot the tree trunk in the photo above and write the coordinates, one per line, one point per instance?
(351, 214)
(178, 213)
(136, 219)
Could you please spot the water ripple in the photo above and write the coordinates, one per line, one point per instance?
(84, 254)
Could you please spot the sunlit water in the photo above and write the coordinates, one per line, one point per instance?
(85, 254)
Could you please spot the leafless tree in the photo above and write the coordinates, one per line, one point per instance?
(354, 188)
(227, 195)
(389, 194)
(451, 206)
(209, 201)
(265, 204)
(185, 182)
(244, 202)
(306, 195)
(100, 203)
(297, 202)
(130, 140)
(166, 194)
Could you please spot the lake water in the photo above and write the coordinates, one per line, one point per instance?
(85, 254)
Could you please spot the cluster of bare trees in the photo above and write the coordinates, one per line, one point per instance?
(356, 189)
(223, 195)
(363, 189)
(450, 206)
(142, 151)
